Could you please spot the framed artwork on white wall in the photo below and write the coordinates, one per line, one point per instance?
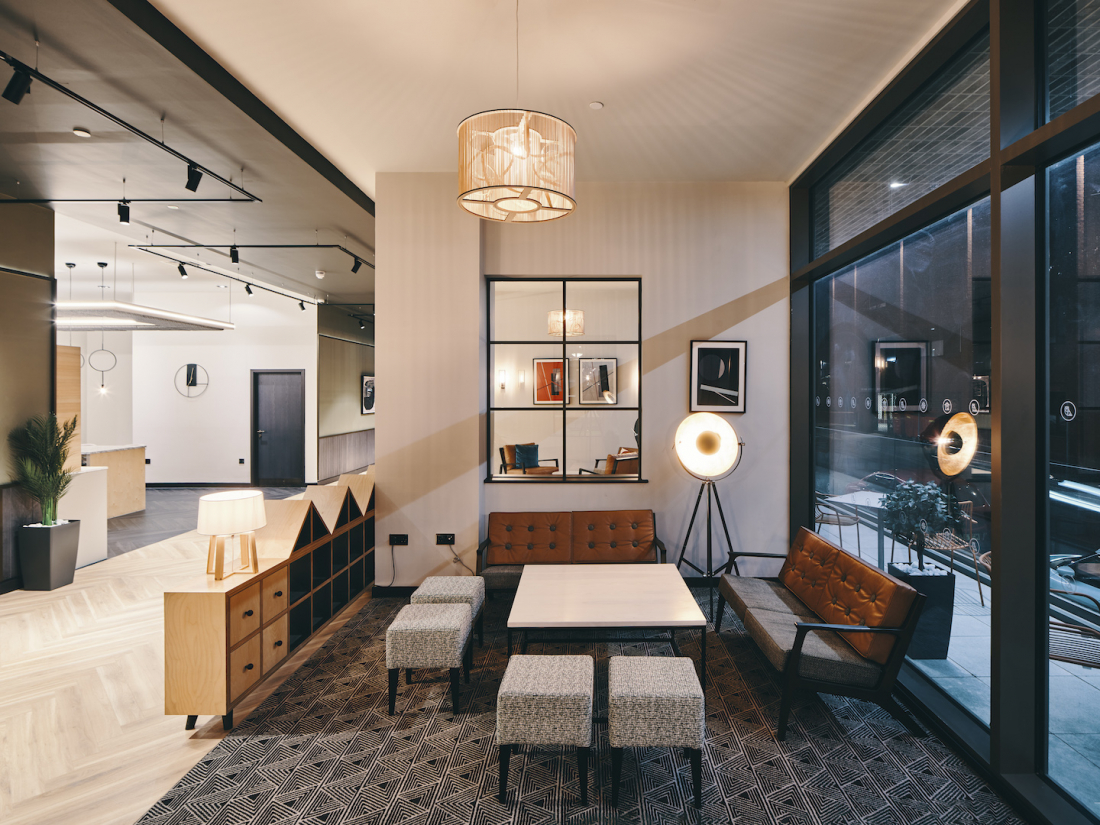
(718, 376)
(599, 381)
(368, 394)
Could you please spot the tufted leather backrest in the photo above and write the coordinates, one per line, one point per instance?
(842, 589)
(530, 538)
(613, 536)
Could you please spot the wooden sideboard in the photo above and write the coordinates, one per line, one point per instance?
(222, 637)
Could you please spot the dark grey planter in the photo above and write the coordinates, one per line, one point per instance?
(47, 555)
(932, 636)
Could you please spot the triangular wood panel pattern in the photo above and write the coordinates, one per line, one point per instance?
(331, 503)
(287, 528)
(322, 748)
(362, 487)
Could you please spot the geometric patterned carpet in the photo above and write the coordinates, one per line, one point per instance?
(322, 750)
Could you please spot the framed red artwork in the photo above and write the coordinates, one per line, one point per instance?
(551, 380)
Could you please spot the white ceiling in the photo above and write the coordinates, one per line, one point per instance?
(694, 89)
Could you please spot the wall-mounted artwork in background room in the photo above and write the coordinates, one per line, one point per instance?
(551, 379)
(718, 376)
(368, 394)
(901, 375)
(599, 381)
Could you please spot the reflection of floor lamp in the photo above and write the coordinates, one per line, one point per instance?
(709, 449)
(952, 442)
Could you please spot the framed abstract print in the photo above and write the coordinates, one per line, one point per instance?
(599, 381)
(718, 376)
(551, 381)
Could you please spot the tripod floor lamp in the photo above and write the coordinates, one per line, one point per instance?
(709, 449)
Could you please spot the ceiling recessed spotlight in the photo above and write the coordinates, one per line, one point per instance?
(171, 206)
(897, 184)
(595, 104)
(80, 131)
(320, 273)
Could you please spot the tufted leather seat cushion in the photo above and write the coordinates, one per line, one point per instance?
(842, 589)
(530, 538)
(613, 536)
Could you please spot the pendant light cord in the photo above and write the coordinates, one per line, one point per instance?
(517, 54)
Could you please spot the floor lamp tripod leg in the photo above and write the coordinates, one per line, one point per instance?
(729, 544)
(694, 513)
(710, 553)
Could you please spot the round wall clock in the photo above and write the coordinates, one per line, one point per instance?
(191, 380)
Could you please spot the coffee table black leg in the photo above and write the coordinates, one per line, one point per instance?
(509, 642)
(672, 639)
(523, 646)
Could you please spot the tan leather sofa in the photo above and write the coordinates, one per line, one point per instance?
(597, 537)
(830, 623)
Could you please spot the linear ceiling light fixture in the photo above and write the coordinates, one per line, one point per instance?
(516, 165)
(118, 315)
(21, 81)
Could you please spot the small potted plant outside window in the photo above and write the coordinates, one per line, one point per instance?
(47, 550)
(911, 511)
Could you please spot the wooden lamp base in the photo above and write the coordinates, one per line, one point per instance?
(215, 556)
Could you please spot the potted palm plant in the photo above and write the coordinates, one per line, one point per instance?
(47, 550)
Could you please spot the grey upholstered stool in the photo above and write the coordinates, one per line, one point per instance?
(429, 636)
(546, 700)
(655, 702)
(455, 590)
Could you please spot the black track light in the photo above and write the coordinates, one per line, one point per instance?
(362, 324)
(183, 272)
(18, 86)
(193, 177)
(124, 212)
(355, 266)
(234, 255)
(248, 289)
(302, 306)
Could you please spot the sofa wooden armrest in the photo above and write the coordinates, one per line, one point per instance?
(731, 565)
(661, 556)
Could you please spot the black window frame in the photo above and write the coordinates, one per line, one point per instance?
(563, 477)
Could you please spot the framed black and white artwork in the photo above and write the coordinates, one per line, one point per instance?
(718, 376)
(599, 381)
(368, 394)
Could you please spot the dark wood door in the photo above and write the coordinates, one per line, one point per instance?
(278, 428)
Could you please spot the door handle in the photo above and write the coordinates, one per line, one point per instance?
(260, 432)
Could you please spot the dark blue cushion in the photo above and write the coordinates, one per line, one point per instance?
(527, 455)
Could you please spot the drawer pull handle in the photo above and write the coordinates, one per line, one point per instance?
(249, 666)
(278, 593)
(279, 643)
(247, 613)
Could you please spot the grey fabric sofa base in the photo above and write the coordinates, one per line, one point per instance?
(811, 654)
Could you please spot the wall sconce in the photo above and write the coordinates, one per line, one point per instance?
(522, 378)
(503, 376)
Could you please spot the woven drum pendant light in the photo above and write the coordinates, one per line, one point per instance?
(515, 165)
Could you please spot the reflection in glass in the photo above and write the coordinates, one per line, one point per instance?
(902, 349)
(1073, 53)
(1074, 473)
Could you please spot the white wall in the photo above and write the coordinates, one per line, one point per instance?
(713, 258)
(194, 440)
(107, 417)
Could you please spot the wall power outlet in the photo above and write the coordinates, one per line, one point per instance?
(399, 539)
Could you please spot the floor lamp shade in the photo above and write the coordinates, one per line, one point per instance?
(232, 512)
(516, 166)
(707, 446)
(954, 441)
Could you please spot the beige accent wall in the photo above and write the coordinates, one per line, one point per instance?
(713, 258)
(67, 397)
(713, 261)
(429, 325)
(340, 366)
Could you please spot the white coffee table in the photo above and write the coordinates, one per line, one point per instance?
(595, 597)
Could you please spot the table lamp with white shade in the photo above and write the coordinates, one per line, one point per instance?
(228, 514)
(708, 448)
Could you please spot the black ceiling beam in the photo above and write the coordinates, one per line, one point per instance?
(343, 249)
(20, 66)
(150, 20)
(255, 284)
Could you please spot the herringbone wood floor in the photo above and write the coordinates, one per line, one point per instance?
(83, 735)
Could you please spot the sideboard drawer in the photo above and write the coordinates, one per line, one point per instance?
(274, 594)
(244, 667)
(275, 644)
(244, 614)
